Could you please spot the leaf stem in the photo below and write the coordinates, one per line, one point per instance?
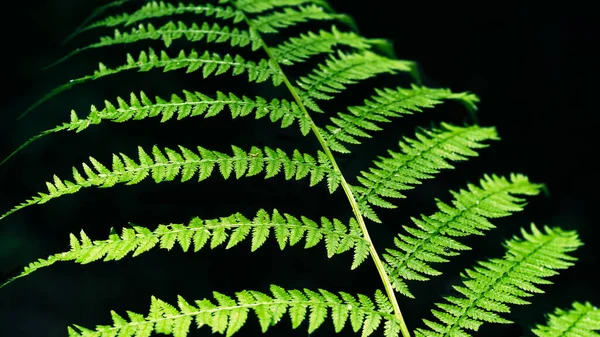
(346, 187)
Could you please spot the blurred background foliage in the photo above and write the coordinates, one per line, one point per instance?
(531, 66)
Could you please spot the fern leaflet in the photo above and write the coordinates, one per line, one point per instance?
(190, 104)
(225, 231)
(580, 321)
(210, 64)
(379, 108)
(387, 104)
(494, 284)
(157, 9)
(167, 164)
(228, 315)
(299, 49)
(173, 31)
(96, 13)
(433, 240)
(419, 159)
(259, 6)
(289, 17)
(332, 77)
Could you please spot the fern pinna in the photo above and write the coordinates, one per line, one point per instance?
(314, 55)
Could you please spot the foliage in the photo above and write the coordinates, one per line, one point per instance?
(313, 56)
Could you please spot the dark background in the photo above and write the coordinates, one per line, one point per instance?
(532, 67)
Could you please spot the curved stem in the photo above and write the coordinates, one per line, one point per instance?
(346, 187)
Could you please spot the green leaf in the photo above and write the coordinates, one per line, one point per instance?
(173, 31)
(335, 74)
(365, 119)
(289, 17)
(583, 319)
(184, 164)
(228, 315)
(157, 9)
(434, 239)
(420, 158)
(299, 49)
(259, 6)
(229, 231)
(528, 261)
(191, 61)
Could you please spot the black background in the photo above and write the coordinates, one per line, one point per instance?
(534, 69)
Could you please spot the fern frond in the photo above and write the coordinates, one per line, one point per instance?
(580, 321)
(337, 72)
(433, 239)
(211, 64)
(226, 231)
(386, 104)
(158, 9)
(167, 165)
(299, 49)
(190, 104)
(227, 315)
(172, 31)
(289, 17)
(419, 159)
(489, 288)
(259, 6)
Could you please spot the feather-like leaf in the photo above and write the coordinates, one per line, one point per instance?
(214, 33)
(332, 76)
(210, 64)
(299, 49)
(273, 22)
(226, 231)
(96, 13)
(420, 158)
(227, 315)
(582, 320)
(184, 163)
(259, 6)
(434, 238)
(489, 288)
(380, 108)
(181, 106)
(158, 9)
